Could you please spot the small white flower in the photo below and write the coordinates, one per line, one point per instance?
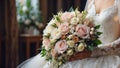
(33, 17)
(91, 32)
(52, 22)
(18, 17)
(27, 21)
(77, 12)
(70, 52)
(60, 13)
(60, 63)
(71, 43)
(70, 36)
(24, 9)
(81, 47)
(74, 20)
(92, 29)
(72, 30)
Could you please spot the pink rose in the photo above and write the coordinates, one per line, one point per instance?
(61, 46)
(64, 28)
(82, 30)
(66, 16)
(46, 43)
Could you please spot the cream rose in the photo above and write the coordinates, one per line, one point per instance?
(74, 21)
(64, 28)
(82, 30)
(61, 46)
(81, 47)
(71, 43)
(70, 52)
(46, 43)
(55, 34)
(48, 29)
(66, 16)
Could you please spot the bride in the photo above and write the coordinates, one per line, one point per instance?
(107, 14)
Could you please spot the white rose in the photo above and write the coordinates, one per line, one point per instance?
(71, 43)
(81, 47)
(55, 34)
(24, 9)
(70, 52)
(74, 20)
(48, 29)
(52, 22)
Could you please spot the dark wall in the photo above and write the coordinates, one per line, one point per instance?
(82, 4)
(2, 32)
(50, 7)
(8, 34)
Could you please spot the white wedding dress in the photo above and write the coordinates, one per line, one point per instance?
(108, 57)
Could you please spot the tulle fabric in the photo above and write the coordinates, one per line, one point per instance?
(112, 61)
(118, 6)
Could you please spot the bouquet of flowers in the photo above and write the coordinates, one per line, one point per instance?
(69, 33)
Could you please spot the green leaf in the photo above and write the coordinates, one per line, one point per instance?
(47, 36)
(97, 27)
(71, 9)
(43, 52)
(57, 18)
(54, 25)
(90, 47)
(99, 33)
(97, 42)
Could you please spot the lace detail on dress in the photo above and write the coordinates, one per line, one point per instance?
(109, 27)
(106, 51)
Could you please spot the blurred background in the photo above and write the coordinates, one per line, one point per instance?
(22, 24)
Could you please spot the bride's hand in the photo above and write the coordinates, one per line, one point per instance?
(104, 46)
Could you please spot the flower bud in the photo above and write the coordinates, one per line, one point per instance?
(81, 47)
(91, 32)
(70, 52)
(71, 43)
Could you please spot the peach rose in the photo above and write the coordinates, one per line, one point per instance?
(61, 46)
(64, 28)
(82, 30)
(66, 16)
(46, 43)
